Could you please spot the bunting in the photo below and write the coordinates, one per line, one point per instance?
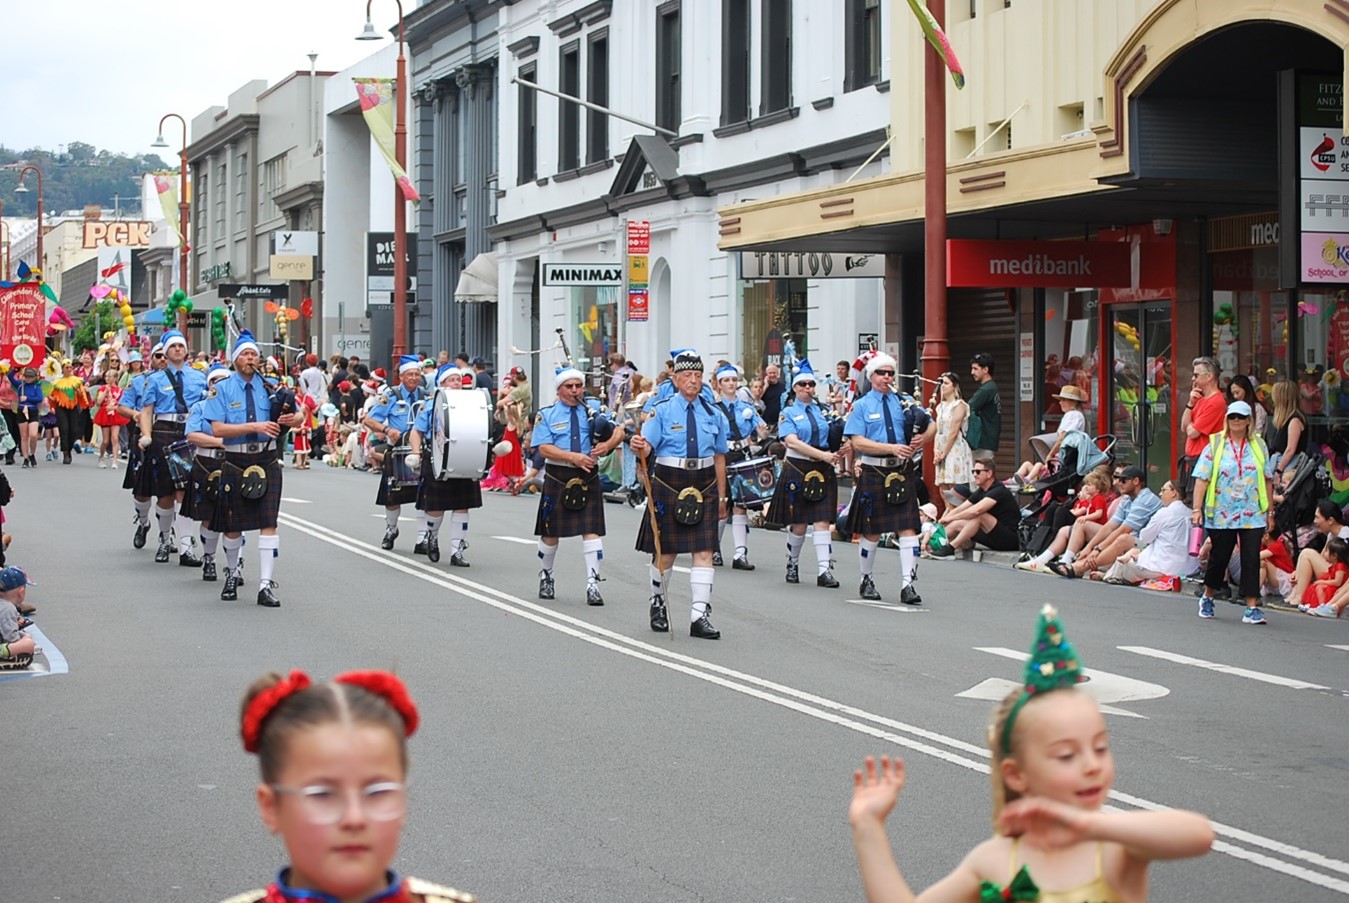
(168, 202)
(377, 106)
(937, 38)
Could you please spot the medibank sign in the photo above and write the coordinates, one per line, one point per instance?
(1038, 264)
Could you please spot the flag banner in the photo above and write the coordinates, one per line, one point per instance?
(937, 38)
(168, 202)
(376, 95)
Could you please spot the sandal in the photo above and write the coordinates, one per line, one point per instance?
(1063, 570)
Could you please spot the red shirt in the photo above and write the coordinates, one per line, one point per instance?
(1209, 416)
(1279, 557)
(1098, 502)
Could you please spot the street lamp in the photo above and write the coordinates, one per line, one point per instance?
(183, 209)
(23, 189)
(4, 231)
(400, 133)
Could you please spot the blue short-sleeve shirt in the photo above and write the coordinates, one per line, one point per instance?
(667, 429)
(229, 404)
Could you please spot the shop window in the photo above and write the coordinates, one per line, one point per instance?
(668, 64)
(776, 51)
(1072, 331)
(735, 55)
(527, 109)
(597, 92)
(569, 113)
(595, 313)
(862, 44)
(771, 312)
(1323, 337)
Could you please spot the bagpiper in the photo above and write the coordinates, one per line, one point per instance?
(166, 399)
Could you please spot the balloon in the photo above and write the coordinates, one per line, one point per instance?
(179, 296)
(130, 321)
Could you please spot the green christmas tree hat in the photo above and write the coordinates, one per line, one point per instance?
(1053, 665)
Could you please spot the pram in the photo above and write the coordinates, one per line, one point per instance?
(1307, 482)
(1079, 455)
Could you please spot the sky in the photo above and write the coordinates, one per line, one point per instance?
(105, 71)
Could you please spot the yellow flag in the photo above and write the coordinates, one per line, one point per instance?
(376, 95)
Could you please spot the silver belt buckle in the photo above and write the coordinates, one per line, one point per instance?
(692, 464)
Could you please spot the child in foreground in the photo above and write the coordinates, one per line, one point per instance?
(1052, 771)
(334, 786)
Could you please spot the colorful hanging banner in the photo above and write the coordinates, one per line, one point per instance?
(937, 38)
(168, 202)
(376, 96)
(23, 324)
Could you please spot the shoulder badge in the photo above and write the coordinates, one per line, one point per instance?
(252, 896)
(381, 399)
(210, 393)
(436, 893)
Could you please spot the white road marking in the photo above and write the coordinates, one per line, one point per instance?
(902, 734)
(56, 661)
(1106, 688)
(887, 606)
(1261, 676)
(1341, 648)
(289, 500)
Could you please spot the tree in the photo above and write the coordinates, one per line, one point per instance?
(89, 334)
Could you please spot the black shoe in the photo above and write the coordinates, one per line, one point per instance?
(165, 547)
(827, 580)
(188, 560)
(27, 463)
(660, 619)
(267, 598)
(909, 596)
(65, 458)
(868, 590)
(793, 575)
(946, 551)
(546, 589)
(419, 548)
(32, 460)
(458, 560)
(432, 548)
(389, 536)
(142, 531)
(207, 568)
(717, 560)
(593, 596)
(231, 590)
(741, 563)
(702, 629)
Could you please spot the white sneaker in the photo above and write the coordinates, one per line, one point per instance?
(102, 464)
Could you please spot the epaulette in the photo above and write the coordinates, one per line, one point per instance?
(252, 896)
(660, 401)
(436, 893)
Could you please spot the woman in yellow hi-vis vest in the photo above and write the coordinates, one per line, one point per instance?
(1231, 500)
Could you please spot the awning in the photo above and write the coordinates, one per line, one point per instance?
(152, 317)
(478, 281)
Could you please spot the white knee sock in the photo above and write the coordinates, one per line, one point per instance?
(656, 585)
(185, 529)
(700, 588)
(209, 539)
(391, 517)
(823, 549)
(866, 555)
(142, 510)
(908, 559)
(232, 547)
(721, 532)
(740, 534)
(165, 518)
(433, 525)
(458, 530)
(594, 553)
(269, 549)
(547, 555)
(794, 544)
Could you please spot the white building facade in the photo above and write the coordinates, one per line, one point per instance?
(763, 97)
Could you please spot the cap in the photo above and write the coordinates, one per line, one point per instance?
(245, 342)
(408, 362)
(686, 360)
(517, 371)
(1238, 409)
(1132, 472)
(13, 578)
(173, 337)
(566, 373)
(879, 360)
(804, 372)
(478, 362)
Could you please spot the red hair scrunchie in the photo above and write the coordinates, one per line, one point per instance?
(265, 703)
(388, 687)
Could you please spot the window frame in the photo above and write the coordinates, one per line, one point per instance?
(737, 17)
(568, 112)
(669, 66)
(597, 92)
(527, 126)
(775, 56)
(864, 43)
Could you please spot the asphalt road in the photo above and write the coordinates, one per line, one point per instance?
(568, 753)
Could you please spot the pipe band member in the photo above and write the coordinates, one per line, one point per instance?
(435, 497)
(389, 421)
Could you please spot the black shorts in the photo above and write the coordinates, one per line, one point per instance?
(1001, 538)
(29, 415)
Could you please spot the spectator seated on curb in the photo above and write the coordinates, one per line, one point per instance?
(933, 535)
(1164, 545)
(1326, 587)
(16, 646)
(1311, 562)
(1072, 527)
(988, 517)
(1120, 533)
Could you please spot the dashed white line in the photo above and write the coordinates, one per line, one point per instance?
(1233, 670)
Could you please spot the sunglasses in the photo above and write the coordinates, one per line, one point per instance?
(1238, 417)
(882, 373)
(1117, 476)
(157, 356)
(808, 385)
(979, 470)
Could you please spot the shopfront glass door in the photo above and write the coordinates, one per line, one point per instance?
(1140, 415)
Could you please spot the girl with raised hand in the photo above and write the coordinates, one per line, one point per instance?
(1052, 771)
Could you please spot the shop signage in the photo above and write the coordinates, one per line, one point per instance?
(1325, 257)
(291, 266)
(1026, 388)
(216, 273)
(117, 234)
(1248, 230)
(288, 241)
(867, 341)
(583, 274)
(810, 265)
(379, 261)
(196, 319)
(1038, 264)
(248, 292)
(1322, 181)
(23, 325)
(639, 236)
(637, 269)
(639, 304)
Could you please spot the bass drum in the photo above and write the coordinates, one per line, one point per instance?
(461, 423)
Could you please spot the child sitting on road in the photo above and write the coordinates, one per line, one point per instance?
(933, 535)
(16, 646)
(1322, 591)
(1276, 566)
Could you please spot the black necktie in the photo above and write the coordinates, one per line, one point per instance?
(575, 429)
(889, 423)
(177, 377)
(729, 408)
(250, 410)
(814, 427)
(691, 425)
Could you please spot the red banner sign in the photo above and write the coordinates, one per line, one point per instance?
(23, 325)
(1038, 264)
(639, 236)
(639, 305)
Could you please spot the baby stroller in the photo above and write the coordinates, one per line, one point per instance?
(1079, 455)
(1307, 482)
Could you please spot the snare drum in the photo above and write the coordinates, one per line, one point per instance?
(752, 482)
(178, 456)
(402, 474)
(461, 422)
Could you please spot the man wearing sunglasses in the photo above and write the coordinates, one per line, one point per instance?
(886, 436)
(129, 406)
(988, 517)
(1120, 534)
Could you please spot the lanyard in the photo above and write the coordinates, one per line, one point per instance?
(1241, 453)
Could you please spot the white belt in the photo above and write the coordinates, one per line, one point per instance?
(737, 444)
(801, 456)
(171, 418)
(250, 448)
(209, 453)
(880, 462)
(685, 463)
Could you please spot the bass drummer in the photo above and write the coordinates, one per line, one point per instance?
(436, 496)
(571, 503)
(746, 425)
(388, 421)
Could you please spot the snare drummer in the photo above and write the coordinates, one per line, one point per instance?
(746, 425)
(167, 397)
(129, 406)
(388, 421)
(887, 436)
(435, 497)
(571, 503)
(198, 498)
(807, 491)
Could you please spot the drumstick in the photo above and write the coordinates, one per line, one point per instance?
(655, 533)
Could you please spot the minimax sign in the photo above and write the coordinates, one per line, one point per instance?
(1038, 264)
(583, 274)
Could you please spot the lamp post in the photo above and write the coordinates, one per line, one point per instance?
(400, 132)
(23, 189)
(183, 209)
(4, 231)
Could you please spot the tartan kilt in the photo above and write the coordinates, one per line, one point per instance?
(196, 505)
(235, 514)
(390, 496)
(666, 484)
(153, 478)
(869, 513)
(447, 495)
(789, 507)
(555, 519)
(134, 457)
